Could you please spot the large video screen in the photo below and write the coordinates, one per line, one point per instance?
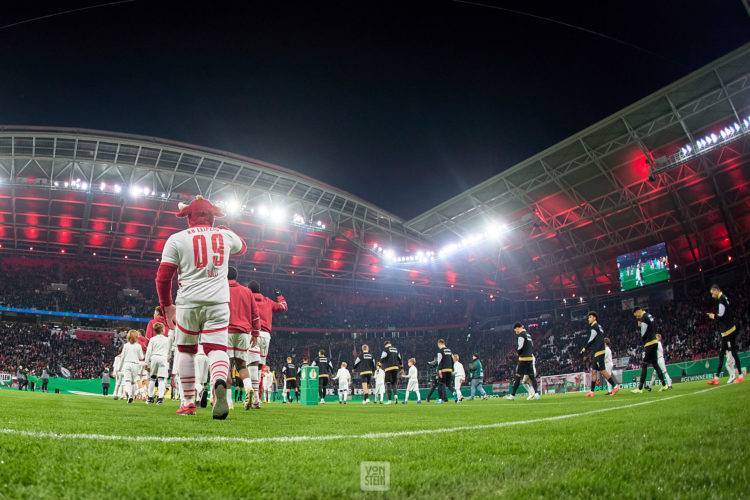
(643, 267)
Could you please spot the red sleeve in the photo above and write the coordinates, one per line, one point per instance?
(279, 306)
(150, 329)
(254, 315)
(164, 283)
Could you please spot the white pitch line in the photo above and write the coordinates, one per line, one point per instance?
(331, 437)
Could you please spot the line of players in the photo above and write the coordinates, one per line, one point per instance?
(653, 352)
(448, 371)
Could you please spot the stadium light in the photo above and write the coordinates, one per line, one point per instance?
(67, 184)
(135, 191)
(102, 186)
(84, 186)
(709, 142)
(117, 188)
(298, 219)
(232, 207)
(278, 215)
(263, 211)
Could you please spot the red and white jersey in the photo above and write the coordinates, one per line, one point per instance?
(201, 254)
(150, 328)
(266, 308)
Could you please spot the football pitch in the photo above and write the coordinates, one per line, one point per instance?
(691, 442)
(650, 276)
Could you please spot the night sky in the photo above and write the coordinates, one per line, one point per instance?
(404, 104)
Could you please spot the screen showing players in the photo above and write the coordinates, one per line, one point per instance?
(643, 267)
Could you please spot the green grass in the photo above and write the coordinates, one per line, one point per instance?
(650, 276)
(692, 446)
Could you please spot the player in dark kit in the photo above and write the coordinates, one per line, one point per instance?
(595, 346)
(525, 362)
(366, 367)
(444, 362)
(435, 379)
(392, 364)
(325, 371)
(290, 376)
(650, 348)
(728, 330)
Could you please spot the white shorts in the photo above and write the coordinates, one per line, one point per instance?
(201, 368)
(258, 353)
(380, 389)
(609, 367)
(130, 372)
(413, 385)
(159, 367)
(238, 345)
(204, 324)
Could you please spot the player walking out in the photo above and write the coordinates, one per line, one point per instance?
(444, 363)
(344, 378)
(413, 384)
(525, 366)
(366, 366)
(290, 380)
(244, 329)
(595, 346)
(728, 330)
(391, 360)
(157, 361)
(325, 370)
(662, 364)
(269, 380)
(257, 355)
(200, 257)
(647, 330)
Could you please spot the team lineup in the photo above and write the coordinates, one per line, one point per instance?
(217, 327)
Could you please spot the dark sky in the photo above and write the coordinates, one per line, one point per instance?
(404, 104)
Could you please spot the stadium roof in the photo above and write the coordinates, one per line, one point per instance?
(570, 210)
(620, 185)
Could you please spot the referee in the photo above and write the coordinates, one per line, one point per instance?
(525, 362)
(595, 345)
(725, 320)
(650, 348)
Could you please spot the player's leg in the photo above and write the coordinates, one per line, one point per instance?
(731, 369)
(663, 366)
(264, 342)
(594, 375)
(732, 344)
(214, 339)
(187, 337)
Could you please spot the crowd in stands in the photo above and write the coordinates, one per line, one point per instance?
(98, 288)
(36, 346)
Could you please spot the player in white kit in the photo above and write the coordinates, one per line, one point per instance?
(662, 364)
(130, 364)
(344, 379)
(118, 380)
(268, 381)
(157, 361)
(200, 315)
(459, 376)
(413, 383)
